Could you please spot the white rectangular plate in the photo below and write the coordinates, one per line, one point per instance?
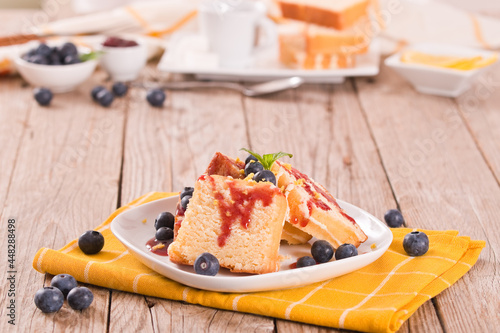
(266, 66)
(133, 233)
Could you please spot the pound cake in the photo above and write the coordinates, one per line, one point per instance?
(315, 211)
(238, 221)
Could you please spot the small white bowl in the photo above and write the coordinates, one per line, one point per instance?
(124, 63)
(60, 78)
(435, 80)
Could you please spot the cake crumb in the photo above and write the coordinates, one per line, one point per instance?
(316, 195)
(158, 246)
(373, 246)
(347, 160)
(228, 213)
(216, 202)
(237, 160)
(249, 177)
(287, 166)
(144, 221)
(299, 182)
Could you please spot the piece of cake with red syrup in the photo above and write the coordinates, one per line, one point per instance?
(239, 221)
(313, 210)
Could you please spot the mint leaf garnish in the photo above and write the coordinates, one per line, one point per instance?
(267, 160)
(90, 56)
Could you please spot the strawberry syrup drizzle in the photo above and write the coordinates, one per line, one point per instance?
(150, 244)
(313, 200)
(240, 205)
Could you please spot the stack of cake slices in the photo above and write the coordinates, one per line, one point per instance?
(241, 222)
(322, 34)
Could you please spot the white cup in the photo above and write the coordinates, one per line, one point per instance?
(230, 27)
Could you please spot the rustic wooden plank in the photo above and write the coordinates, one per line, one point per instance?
(130, 308)
(165, 150)
(65, 182)
(441, 181)
(481, 111)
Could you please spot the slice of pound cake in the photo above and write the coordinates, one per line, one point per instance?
(238, 221)
(315, 211)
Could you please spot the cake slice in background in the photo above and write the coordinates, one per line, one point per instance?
(238, 221)
(315, 211)
(337, 14)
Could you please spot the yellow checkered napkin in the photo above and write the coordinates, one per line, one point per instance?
(377, 298)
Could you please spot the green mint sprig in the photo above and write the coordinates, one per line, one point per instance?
(267, 160)
(90, 56)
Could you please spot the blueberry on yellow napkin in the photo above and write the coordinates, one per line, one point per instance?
(376, 298)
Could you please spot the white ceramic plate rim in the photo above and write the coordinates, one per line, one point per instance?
(127, 226)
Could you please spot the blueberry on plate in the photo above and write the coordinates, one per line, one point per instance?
(164, 234)
(80, 298)
(187, 191)
(63, 282)
(206, 264)
(95, 91)
(253, 167)
(119, 89)
(49, 299)
(71, 59)
(38, 59)
(394, 218)
(68, 49)
(164, 219)
(346, 251)
(185, 201)
(156, 97)
(265, 176)
(91, 242)
(43, 49)
(251, 158)
(416, 243)
(104, 97)
(305, 261)
(43, 96)
(322, 251)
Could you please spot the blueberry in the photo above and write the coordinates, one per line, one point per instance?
(43, 50)
(95, 90)
(346, 251)
(91, 242)
(156, 97)
(71, 59)
(49, 299)
(187, 191)
(253, 167)
(104, 97)
(251, 158)
(305, 261)
(43, 96)
(322, 251)
(120, 89)
(165, 219)
(63, 282)
(416, 243)
(265, 176)
(185, 201)
(54, 58)
(80, 298)
(394, 218)
(68, 49)
(38, 59)
(206, 264)
(164, 234)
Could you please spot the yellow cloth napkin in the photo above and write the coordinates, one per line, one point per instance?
(376, 298)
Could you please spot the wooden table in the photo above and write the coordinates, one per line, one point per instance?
(374, 142)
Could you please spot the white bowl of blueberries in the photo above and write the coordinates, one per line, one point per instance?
(58, 68)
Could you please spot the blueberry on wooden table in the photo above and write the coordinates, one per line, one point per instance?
(91, 242)
(63, 282)
(104, 97)
(322, 251)
(346, 251)
(305, 261)
(164, 219)
(416, 243)
(49, 299)
(265, 176)
(43, 96)
(80, 298)
(156, 97)
(394, 218)
(206, 264)
(95, 91)
(119, 89)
